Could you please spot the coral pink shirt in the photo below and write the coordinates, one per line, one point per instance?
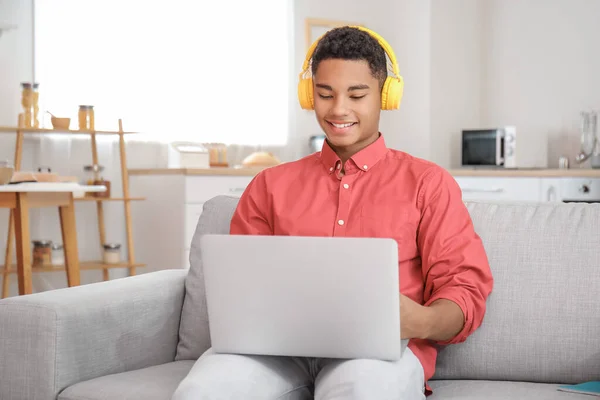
(383, 193)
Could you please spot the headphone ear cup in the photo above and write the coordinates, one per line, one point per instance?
(305, 94)
(391, 94)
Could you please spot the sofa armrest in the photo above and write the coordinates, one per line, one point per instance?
(51, 340)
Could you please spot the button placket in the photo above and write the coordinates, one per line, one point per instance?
(344, 201)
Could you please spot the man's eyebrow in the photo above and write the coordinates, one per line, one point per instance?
(350, 89)
(358, 87)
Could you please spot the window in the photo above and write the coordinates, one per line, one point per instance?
(177, 70)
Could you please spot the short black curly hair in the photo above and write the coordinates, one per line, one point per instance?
(350, 43)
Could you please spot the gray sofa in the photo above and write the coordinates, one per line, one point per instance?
(136, 338)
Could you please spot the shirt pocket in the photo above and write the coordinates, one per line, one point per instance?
(396, 222)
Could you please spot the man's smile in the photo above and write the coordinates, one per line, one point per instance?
(340, 127)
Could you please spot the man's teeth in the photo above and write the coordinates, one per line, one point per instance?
(342, 125)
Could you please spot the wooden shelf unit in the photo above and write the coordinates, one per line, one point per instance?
(130, 263)
(10, 129)
(83, 266)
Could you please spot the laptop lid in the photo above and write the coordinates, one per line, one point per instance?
(325, 297)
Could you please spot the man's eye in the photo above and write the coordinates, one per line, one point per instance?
(323, 96)
(357, 97)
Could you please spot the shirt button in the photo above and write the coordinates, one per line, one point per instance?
(365, 167)
(341, 222)
(346, 186)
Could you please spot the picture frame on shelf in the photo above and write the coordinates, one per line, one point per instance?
(317, 27)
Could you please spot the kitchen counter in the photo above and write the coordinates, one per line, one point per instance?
(216, 171)
(528, 172)
(533, 172)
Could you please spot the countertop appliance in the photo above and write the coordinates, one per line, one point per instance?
(188, 155)
(489, 147)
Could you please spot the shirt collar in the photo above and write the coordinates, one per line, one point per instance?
(364, 159)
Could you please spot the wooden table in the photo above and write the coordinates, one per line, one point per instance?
(23, 196)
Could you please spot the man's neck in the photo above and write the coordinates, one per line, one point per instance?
(345, 153)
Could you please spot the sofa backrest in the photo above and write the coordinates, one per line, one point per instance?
(543, 318)
(194, 335)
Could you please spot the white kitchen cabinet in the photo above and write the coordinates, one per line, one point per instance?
(530, 189)
(483, 188)
(165, 223)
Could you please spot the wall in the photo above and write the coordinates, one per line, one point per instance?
(456, 74)
(542, 62)
(16, 65)
(16, 56)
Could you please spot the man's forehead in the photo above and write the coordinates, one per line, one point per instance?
(351, 72)
(344, 63)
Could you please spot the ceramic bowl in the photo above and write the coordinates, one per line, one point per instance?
(60, 123)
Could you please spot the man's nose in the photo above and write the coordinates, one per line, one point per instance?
(340, 106)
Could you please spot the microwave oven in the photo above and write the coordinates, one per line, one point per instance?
(489, 147)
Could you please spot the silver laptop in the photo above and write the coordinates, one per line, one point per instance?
(303, 296)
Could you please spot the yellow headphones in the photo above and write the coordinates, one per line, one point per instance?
(392, 91)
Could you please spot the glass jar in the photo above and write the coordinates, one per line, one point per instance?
(92, 173)
(35, 106)
(30, 103)
(102, 182)
(112, 253)
(42, 252)
(217, 154)
(58, 254)
(86, 118)
(27, 104)
(6, 172)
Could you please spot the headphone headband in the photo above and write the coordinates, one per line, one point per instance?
(382, 42)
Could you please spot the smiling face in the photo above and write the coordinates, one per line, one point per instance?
(347, 100)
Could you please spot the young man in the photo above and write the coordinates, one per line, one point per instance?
(356, 186)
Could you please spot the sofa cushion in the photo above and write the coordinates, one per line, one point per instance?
(492, 390)
(542, 322)
(194, 335)
(153, 383)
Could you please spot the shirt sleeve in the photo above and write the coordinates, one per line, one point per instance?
(252, 215)
(454, 262)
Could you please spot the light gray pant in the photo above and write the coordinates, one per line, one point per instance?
(233, 377)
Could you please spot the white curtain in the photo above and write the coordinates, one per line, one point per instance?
(176, 70)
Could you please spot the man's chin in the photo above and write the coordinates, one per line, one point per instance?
(341, 143)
